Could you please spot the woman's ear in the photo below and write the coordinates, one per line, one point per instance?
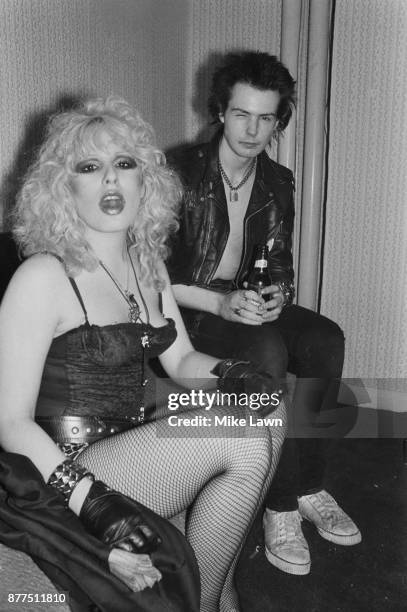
(221, 117)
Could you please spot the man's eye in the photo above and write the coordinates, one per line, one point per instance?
(86, 168)
(126, 163)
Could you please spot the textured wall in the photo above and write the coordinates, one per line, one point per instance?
(159, 54)
(148, 51)
(53, 49)
(216, 26)
(365, 279)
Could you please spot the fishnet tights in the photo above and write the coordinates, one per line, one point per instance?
(223, 478)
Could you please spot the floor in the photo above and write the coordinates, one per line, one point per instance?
(369, 479)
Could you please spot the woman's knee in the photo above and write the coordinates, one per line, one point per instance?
(251, 457)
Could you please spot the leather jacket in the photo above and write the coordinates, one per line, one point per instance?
(204, 225)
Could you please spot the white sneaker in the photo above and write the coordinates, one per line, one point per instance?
(332, 522)
(285, 545)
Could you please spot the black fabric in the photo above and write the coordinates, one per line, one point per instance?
(34, 520)
(299, 341)
(99, 370)
(117, 520)
(78, 295)
(237, 376)
(198, 246)
(9, 260)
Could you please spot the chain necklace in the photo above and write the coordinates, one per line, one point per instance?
(233, 193)
(134, 317)
(134, 308)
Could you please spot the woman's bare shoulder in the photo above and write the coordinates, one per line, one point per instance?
(35, 297)
(40, 272)
(43, 266)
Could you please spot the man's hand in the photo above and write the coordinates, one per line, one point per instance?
(271, 309)
(248, 307)
(243, 306)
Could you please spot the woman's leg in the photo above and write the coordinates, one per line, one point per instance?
(265, 347)
(223, 476)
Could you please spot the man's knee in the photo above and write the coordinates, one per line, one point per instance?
(324, 343)
(329, 338)
(266, 349)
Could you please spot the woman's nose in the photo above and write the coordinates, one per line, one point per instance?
(110, 176)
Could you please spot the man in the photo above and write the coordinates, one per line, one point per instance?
(237, 197)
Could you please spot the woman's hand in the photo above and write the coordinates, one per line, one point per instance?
(243, 306)
(117, 520)
(136, 571)
(238, 376)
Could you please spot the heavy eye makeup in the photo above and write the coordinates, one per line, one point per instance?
(87, 166)
(123, 162)
(126, 162)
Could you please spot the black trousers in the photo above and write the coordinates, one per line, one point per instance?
(302, 342)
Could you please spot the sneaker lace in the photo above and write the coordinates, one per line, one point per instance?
(327, 507)
(289, 526)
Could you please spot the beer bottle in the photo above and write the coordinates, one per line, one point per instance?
(259, 276)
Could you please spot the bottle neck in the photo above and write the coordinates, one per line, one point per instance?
(260, 264)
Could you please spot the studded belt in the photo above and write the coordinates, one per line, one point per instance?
(84, 429)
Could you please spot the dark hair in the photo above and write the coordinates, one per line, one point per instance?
(259, 70)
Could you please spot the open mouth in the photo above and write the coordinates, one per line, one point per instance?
(112, 203)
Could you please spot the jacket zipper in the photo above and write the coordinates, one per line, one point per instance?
(204, 248)
(210, 277)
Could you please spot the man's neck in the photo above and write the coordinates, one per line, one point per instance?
(234, 165)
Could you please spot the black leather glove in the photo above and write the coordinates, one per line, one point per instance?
(117, 520)
(236, 376)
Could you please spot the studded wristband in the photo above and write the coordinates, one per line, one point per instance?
(66, 476)
(222, 368)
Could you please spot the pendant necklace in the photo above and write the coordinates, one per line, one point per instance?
(134, 308)
(134, 317)
(233, 193)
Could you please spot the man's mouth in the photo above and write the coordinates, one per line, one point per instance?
(112, 203)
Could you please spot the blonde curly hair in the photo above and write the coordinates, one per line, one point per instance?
(45, 217)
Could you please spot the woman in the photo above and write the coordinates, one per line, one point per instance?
(91, 303)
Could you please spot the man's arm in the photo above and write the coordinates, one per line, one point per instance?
(280, 256)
